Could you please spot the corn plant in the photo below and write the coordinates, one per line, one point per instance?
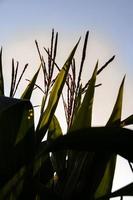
(77, 165)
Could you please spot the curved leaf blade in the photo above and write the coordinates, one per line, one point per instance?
(96, 139)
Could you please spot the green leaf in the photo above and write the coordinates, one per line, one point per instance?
(17, 139)
(105, 65)
(78, 102)
(1, 76)
(96, 139)
(124, 191)
(54, 130)
(84, 114)
(44, 192)
(104, 141)
(15, 184)
(54, 97)
(29, 89)
(115, 117)
(77, 160)
(45, 170)
(58, 158)
(127, 121)
(105, 185)
(14, 187)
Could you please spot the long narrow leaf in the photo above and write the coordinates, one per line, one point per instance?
(1, 75)
(115, 117)
(124, 191)
(84, 115)
(127, 121)
(83, 118)
(54, 97)
(12, 79)
(58, 158)
(105, 185)
(96, 139)
(82, 61)
(7, 189)
(105, 65)
(17, 140)
(16, 133)
(29, 89)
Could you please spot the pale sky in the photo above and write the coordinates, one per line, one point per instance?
(110, 23)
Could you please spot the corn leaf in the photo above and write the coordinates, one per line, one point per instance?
(115, 140)
(105, 65)
(124, 191)
(115, 117)
(107, 174)
(18, 112)
(44, 170)
(15, 186)
(127, 121)
(77, 160)
(29, 89)
(17, 143)
(16, 137)
(114, 120)
(44, 192)
(54, 130)
(58, 158)
(54, 97)
(1, 76)
(78, 102)
(12, 185)
(84, 115)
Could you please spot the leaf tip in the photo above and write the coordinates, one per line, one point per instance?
(123, 80)
(1, 50)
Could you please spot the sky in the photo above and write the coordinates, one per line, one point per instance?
(110, 23)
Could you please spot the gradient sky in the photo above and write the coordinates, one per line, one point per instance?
(110, 23)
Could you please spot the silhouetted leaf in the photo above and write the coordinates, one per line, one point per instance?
(96, 139)
(124, 191)
(1, 75)
(82, 62)
(115, 117)
(14, 185)
(54, 97)
(107, 172)
(105, 65)
(127, 121)
(58, 158)
(29, 89)
(82, 119)
(84, 114)
(17, 140)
